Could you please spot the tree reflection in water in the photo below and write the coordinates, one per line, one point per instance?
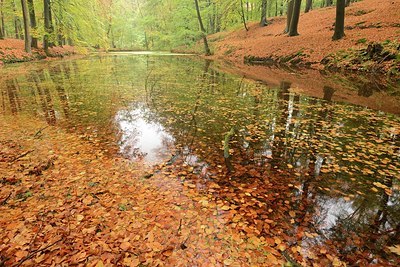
(321, 176)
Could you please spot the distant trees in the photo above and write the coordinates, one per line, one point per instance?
(339, 24)
(141, 24)
(328, 2)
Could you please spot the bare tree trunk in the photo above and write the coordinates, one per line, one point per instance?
(289, 15)
(203, 31)
(32, 18)
(308, 6)
(263, 21)
(27, 26)
(2, 27)
(339, 24)
(295, 18)
(47, 25)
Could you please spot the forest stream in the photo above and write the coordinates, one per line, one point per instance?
(311, 176)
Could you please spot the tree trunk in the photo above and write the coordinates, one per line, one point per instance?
(17, 22)
(32, 18)
(295, 18)
(203, 31)
(289, 15)
(60, 29)
(47, 25)
(27, 26)
(263, 21)
(308, 6)
(339, 24)
(2, 27)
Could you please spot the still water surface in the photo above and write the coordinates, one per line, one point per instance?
(325, 174)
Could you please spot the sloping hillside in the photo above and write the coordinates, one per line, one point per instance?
(366, 21)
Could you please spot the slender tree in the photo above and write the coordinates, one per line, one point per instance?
(47, 25)
(17, 22)
(243, 15)
(339, 24)
(2, 27)
(27, 26)
(289, 15)
(263, 21)
(203, 31)
(295, 18)
(308, 6)
(32, 18)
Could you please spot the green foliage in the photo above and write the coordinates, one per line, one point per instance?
(361, 41)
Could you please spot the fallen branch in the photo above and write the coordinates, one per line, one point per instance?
(40, 131)
(21, 156)
(292, 261)
(180, 227)
(3, 261)
(33, 253)
(5, 200)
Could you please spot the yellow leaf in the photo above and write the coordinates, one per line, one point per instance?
(79, 217)
(395, 249)
(228, 262)
(379, 185)
(225, 207)
(125, 245)
(336, 262)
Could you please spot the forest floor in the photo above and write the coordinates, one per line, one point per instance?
(64, 201)
(13, 50)
(367, 22)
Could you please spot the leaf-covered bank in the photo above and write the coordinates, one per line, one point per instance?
(364, 26)
(12, 51)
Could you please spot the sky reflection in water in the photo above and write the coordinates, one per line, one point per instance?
(335, 165)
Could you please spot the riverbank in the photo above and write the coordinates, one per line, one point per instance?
(13, 50)
(372, 33)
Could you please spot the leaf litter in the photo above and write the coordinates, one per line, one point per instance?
(89, 209)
